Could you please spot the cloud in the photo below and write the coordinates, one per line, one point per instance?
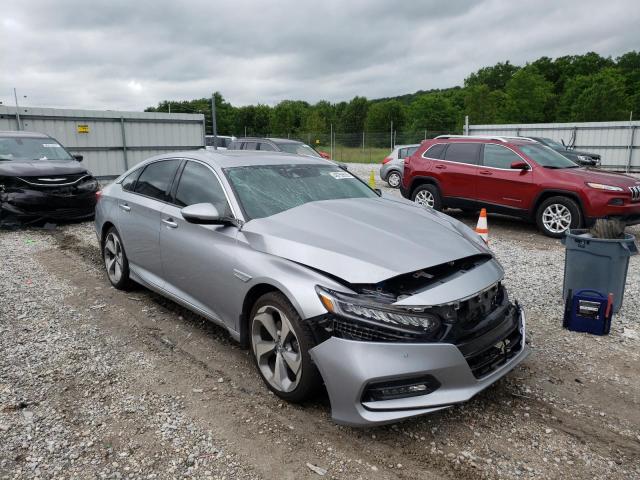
(129, 55)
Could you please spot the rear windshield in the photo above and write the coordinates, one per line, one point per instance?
(265, 190)
(546, 157)
(25, 148)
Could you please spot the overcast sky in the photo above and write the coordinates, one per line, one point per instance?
(127, 55)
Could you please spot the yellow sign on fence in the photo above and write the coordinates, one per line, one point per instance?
(83, 128)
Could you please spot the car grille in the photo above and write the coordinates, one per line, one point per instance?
(635, 193)
(53, 180)
(486, 361)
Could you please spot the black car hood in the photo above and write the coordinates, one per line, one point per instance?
(575, 153)
(29, 168)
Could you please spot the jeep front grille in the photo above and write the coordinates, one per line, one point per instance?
(635, 193)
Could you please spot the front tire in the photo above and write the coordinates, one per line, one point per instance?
(556, 215)
(115, 260)
(280, 343)
(394, 179)
(427, 196)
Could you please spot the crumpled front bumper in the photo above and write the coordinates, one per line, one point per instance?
(347, 367)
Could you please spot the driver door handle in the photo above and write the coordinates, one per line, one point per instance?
(125, 207)
(169, 223)
(485, 172)
(441, 167)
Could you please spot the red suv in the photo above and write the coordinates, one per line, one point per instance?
(520, 177)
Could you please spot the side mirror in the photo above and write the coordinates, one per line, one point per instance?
(78, 158)
(520, 166)
(203, 214)
(378, 191)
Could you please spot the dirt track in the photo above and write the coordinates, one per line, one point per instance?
(571, 409)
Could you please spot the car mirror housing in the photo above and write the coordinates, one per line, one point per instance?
(203, 214)
(78, 158)
(520, 166)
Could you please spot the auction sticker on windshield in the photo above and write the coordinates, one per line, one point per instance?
(51, 145)
(340, 175)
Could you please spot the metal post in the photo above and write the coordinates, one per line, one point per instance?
(245, 131)
(363, 141)
(392, 135)
(331, 141)
(213, 122)
(169, 107)
(124, 144)
(425, 134)
(466, 125)
(633, 132)
(15, 95)
(204, 132)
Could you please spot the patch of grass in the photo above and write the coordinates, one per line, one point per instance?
(358, 155)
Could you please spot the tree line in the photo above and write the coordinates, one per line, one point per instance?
(575, 88)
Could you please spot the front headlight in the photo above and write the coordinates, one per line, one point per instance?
(608, 188)
(90, 185)
(360, 307)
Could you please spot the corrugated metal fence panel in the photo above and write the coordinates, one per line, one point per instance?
(618, 143)
(145, 133)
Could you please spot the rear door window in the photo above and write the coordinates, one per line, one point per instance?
(463, 153)
(130, 180)
(250, 146)
(156, 178)
(435, 151)
(497, 156)
(266, 147)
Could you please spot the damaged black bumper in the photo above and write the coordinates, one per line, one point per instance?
(23, 203)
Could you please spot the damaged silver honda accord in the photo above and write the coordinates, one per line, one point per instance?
(397, 310)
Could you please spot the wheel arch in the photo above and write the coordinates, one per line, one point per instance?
(103, 232)
(417, 181)
(556, 193)
(250, 298)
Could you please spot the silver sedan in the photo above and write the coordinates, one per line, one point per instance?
(394, 309)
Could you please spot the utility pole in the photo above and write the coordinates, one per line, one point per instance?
(15, 95)
(169, 107)
(213, 121)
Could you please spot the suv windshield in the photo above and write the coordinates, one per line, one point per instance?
(264, 190)
(546, 157)
(27, 148)
(298, 149)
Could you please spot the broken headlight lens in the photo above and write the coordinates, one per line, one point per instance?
(363, 308)
(89, 185)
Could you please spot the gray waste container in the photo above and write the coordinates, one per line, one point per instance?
(597, 264)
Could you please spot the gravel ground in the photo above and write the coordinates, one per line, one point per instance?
(98, 383)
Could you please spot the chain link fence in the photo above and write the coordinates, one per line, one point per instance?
(363, 147)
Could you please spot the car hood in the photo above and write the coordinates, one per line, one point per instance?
(365, 240)
(575, 153)
(28, 168)
(599, 176)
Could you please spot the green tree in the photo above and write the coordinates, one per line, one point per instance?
(528, 96)
(495, 77)
(483, 105)
(433, 112)
(381, 114)
(287, 117)
(354, 115)
(596, 98)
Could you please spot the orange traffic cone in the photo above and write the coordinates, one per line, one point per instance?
(482, 229)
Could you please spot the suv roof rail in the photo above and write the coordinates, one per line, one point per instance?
(501, 138)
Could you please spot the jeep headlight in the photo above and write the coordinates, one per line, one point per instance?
(360, 307)
(608, 188)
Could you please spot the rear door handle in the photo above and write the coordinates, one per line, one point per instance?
(485, 172)
(169, 223)
(442, 167)
(125, 207)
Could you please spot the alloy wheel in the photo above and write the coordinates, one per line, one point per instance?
(425, 198)
(556, 218)
(113, 257)
(276, 348)
(394, 179)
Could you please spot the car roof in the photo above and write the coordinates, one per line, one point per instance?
(22, 134)
(484, 139)
(269, 139)
(242, 158)
(406, 146)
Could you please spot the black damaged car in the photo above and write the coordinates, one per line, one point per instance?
(41, 180)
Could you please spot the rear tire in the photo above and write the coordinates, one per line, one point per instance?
(427, 196)
(394, 179)
(280, 344)
(556, 215)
